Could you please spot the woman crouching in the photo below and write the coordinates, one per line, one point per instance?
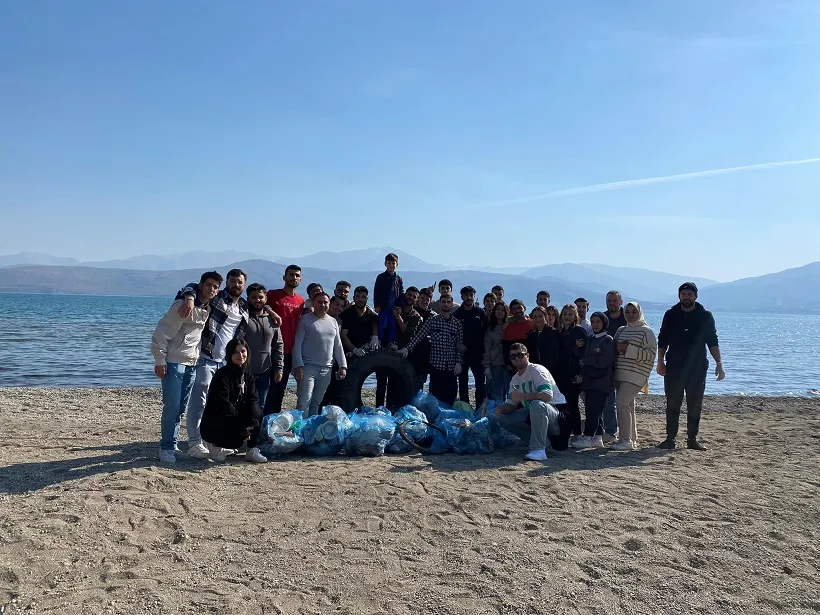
(232, 414)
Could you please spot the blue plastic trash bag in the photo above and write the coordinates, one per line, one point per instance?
(454, 413)
(501, 437)
(325, 434)
(428, 404)
(415, 429)
(369, 434)
(380, 411)
(277, 436)
(468, 437)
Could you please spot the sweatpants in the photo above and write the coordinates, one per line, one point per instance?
(627, 420)
(543, 420)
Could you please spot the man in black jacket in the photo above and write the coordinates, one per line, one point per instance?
(687, 330)
(474, 324)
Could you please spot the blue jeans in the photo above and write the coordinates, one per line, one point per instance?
(611, 413)
(205, 369)
(176, 391)
(543, 421)
(499, 382)
(262, 386)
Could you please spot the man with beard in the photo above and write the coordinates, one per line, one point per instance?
(498, 291)
(334, 311)
(446, 337)
(615, 313)
(687, 330)
(474, 324)
(542, 299)
(287, 304)
(445, 287)
(360, 325)
(420, 356)
(342, 291)
(228, 320)
(264, 339)
(407, 322)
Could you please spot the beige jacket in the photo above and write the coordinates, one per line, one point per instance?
(176, 340)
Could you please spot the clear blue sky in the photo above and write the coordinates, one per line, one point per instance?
(285, 128)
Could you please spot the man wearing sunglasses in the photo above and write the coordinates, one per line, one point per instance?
(532, 395)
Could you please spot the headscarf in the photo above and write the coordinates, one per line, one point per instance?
(604, 319)
(641, 322)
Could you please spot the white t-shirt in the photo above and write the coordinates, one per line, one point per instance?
(226, 332)
(535, 379)
(587, 326)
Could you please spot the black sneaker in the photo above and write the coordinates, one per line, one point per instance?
(695, 445)
(667, 444)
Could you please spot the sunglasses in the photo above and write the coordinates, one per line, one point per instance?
(517, 355)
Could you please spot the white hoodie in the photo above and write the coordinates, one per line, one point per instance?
(177, 339)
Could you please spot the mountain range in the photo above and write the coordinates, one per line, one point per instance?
(149, 275)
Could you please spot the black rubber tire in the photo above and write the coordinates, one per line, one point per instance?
(403, 385)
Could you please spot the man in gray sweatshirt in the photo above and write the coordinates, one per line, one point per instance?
(318, 342)
(264, 339)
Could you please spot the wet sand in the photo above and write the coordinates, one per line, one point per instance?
(91, 523)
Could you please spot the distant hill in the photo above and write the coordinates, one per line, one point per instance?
(187, 260)
(34, 258)
(367, 259)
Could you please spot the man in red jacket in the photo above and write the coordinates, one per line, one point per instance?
(287, 303)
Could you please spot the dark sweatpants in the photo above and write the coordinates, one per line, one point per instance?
(572, 392)
(443, 385)
(677, 383)
(276, 393)
(473, 365)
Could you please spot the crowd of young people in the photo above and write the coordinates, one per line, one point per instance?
(226, 361)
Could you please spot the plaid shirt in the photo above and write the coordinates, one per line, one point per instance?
(445, 335)
(219, 314)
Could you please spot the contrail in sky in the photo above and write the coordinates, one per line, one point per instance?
(647, 181)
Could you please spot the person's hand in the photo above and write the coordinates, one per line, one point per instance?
(374, 343)
(397, 313)
(277, 377)
(488, 373)
(432, 288)
(359, 352)
(404, 352)
(580, 343)
(661, 369)
(622, 346)
(462, 348)
(457, 369)
(299, 373)
(515, 394)
(274, 316)
(342, 373)
(719, 373)
(187, 308)
(160, 371)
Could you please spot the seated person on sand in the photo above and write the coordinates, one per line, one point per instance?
(232, 413)
(532, 393)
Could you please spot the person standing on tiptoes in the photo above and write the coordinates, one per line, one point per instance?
(637, 348)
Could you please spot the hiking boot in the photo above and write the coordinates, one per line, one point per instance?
(695, 445)
(667, 444)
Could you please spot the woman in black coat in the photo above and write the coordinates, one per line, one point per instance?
(544, 342)
(232, 414)
(568, 379)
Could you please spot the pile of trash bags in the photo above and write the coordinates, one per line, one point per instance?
(433, 427)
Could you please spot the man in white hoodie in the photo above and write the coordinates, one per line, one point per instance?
(175, 346)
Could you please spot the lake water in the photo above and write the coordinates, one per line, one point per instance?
(51, 340)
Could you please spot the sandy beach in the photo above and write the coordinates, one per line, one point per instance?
(91, 523)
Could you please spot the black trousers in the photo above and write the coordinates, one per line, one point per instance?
(594, 402)
(384, 392)
(333, 388)
(474, 365)
(678, 382)
(443, 385)
(277, 389)
(572, 392)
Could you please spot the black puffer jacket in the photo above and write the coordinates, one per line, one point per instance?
(232, 407)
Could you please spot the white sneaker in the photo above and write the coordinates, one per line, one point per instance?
(255, 455)
(622, 445)
(198, 451)
(167, 457)
(581, 442)
(635, 445)
(537, 455)
(608, 438)
(596, 441)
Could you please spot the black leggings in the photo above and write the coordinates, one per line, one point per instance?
(572, 392)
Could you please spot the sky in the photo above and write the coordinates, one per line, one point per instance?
(463, 132)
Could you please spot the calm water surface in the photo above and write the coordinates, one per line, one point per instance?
(51, 340)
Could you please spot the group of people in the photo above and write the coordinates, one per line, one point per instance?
(226, 360)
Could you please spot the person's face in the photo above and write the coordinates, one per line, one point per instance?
(320, 305)
(687, 298)
(209, 288)
(582, 309)
(500, 313)
(391, 266)
(257, 300)
(410, 298)
(424, 301)
(542, 300)
(613, 302)
(567, 318)
(292, 278)
(342, 291)
(316, 290)
(239, 356)
(632, 314)
(445, 290)
(468, 300)
(489, 303)
(551, 318)
(360, 299)
(336, 305)
(499, 295)
(519, 359)
(446, 305)
(597, 324)
(235, 285)
(539, 319)
(517, 311)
